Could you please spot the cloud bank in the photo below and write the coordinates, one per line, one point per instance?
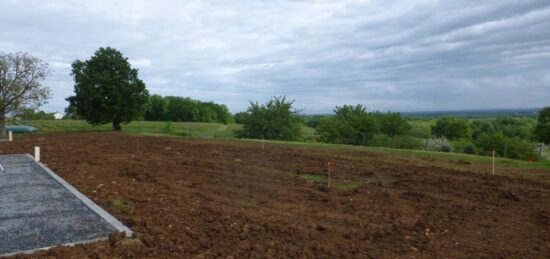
(386, 55)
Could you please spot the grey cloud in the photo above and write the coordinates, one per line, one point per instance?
(398, 55)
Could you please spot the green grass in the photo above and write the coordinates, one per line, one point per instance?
(348, 186)
(201, 130)
(152, 128)
(544, 164)
(313, 178)
(122, 205)
(322, 179)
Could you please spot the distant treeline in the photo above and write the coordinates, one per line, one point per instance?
(31, 114)
(176, 108)
(473, 114)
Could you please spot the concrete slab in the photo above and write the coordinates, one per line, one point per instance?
(39, 210)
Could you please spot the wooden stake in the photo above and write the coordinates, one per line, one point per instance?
(493, 162)
(10, 136)
(328, 181)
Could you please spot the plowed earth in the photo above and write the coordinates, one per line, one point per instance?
(211, 198)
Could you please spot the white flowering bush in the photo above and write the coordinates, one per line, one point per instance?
(439, 144)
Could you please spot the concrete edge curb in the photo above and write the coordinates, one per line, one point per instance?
(50, 247)
(89, 203)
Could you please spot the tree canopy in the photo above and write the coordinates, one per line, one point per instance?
(276, 119)
(392, 124)
(21, 77)
(451, 128)
(350, 125)
(107, 89)
(542, 130)
(176, 108)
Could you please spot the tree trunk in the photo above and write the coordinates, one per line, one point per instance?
(116, 126)
(2, 123)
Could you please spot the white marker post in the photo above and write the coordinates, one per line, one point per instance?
(493, 162)
(10, 136)
(37, 154)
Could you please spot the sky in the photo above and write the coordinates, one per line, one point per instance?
(387, 55)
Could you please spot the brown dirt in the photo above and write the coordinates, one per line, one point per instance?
(211, 198)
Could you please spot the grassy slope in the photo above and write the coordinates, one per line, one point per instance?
(218, 130)
(429, 154)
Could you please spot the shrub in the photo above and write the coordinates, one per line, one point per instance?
(275, 119)
(515, 148)
(469, 149)
(446, 147)
(351, 125)
(463, 146)
(439, 144)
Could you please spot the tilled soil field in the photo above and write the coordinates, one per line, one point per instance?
(211, 198)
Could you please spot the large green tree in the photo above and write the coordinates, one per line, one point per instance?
(276, 119)
(21, 77)
(107, 89)
(542, 130)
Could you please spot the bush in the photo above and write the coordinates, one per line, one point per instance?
(515, 148)
(351, 125)
(446, 148)
(275, 119)
(463, 146)
(439, 144)
(521, 149)
(470, 149)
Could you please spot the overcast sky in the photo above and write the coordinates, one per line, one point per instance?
(387, 55)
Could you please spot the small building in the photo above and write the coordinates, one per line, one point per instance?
(58, 115)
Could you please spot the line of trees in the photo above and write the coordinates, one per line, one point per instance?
(176, 108)
(509, 137)
(32, 114)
